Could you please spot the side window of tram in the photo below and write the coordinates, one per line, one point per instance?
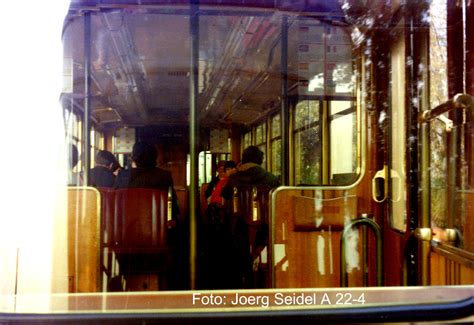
(260, 141)
(325, 157)
(438, 131)
(342, 142)
(275, 145)
(307, 143)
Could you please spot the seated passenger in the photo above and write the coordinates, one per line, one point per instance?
(102, 174)
(217, 241)
(247, 238)
(230, 168)
(145, 174)
(213, 191)
(116, 168)
(250, 173)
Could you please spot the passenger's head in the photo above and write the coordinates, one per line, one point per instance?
(144, 155)
(252, 154)
(220, 168)
(230, 167)
(105, 158)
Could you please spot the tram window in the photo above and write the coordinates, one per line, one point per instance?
(438, 53)
(438, 173)
(74, 134)
(438, 95)
(260, 141)
(97, 143)
(275, 145)
(343, 142)
(307, 143)
(205, 167)
(247, 139)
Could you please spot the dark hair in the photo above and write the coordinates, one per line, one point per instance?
(144, 155)
(252, 154)
(230, 164)
(104, 157)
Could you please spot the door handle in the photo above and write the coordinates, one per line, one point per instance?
(379, 185)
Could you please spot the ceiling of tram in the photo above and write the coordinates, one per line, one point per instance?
(140, 66)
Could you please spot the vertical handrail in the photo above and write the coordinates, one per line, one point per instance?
(378, 238)
(193, 137)
(86, 127)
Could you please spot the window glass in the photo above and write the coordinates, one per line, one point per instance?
(275, 166)
(205, 167)
(438, 94)
(343, 142)
(307, 143)
(247, 139)
(260, 141)
(276, 126)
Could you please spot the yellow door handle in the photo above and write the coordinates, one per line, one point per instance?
(379, 185)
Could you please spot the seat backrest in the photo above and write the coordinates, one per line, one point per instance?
(252, 203)
(140, 219)
(107, 210)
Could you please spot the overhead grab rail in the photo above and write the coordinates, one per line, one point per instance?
(362, 221)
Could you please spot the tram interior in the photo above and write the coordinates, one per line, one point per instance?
(140, 71)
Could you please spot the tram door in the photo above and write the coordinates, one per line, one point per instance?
(317, 238)
(427, 232)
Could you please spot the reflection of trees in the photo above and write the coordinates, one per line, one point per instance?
(308, 143)
(438, 94)
(276, 157)
(438, 173)
(310, 146)
(438, 53)
(342, 78)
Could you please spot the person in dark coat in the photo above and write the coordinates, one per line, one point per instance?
(145, 174)
(250, 173)
(102, 174)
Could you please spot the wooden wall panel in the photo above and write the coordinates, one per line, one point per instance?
(309, 256)
(448, 269)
